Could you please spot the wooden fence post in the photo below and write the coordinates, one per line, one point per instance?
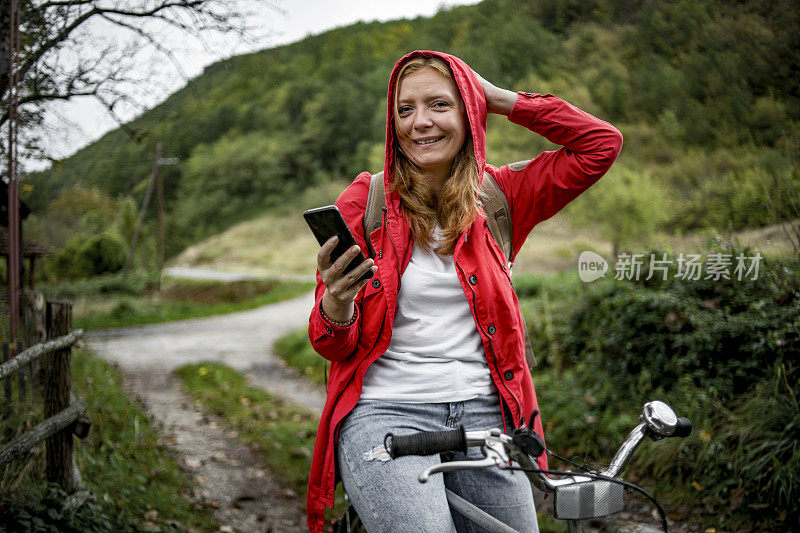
(35, 332)
(6, 384)
(22, 379)
(58, 386)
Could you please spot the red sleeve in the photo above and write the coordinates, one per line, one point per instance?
(333, 342)
(540, 188)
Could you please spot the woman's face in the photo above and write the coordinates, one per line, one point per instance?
(431, 123)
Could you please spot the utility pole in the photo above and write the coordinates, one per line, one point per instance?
(160, 202)
(143, 211)
(155, 181)
(162, 162)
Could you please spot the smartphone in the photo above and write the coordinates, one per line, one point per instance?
(325, 222)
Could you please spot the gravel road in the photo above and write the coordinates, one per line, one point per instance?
(240, 340)
(245, 497)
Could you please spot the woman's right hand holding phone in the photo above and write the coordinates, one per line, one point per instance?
(341, 289)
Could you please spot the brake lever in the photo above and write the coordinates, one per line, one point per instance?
(455, 465)
(493, 450)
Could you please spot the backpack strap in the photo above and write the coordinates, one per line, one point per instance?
(498, 214)
(376, 201)
(498, 217)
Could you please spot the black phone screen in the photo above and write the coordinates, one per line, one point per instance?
(325, 222)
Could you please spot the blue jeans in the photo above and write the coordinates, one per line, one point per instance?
(386, 493)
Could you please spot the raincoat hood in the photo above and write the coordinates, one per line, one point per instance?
(471, 93)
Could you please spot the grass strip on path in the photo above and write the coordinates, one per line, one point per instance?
(135, 478)
(283, 431)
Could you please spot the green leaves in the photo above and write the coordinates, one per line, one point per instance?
(723, 353)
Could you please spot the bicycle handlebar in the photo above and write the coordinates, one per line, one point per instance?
(577, 496)
(426, 442)
(657, 421)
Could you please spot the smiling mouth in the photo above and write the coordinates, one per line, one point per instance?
(429, 141)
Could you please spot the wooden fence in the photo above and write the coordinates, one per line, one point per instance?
(45, 367)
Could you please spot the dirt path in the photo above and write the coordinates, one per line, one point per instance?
(245, 497)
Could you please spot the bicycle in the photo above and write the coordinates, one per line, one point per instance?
(577, 495)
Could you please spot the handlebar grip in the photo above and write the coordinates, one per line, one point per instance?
(426, 442)
(683, 427)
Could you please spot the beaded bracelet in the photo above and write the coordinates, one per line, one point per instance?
(349, 322)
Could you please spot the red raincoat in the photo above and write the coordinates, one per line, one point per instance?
(535, 190)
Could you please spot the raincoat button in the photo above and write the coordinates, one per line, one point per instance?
(473, 279)
(509, 375)
(376, 283)
(492, 329)
(329, 330)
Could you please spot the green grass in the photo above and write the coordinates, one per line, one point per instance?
(296, 350)
(548, 524)
(178, 300)
(122, 461)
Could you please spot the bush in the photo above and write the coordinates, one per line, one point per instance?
(102, 254)
(725, 334)
(725, 353)
(85, 256)
(47, 511)
(739, 465)
(135, 283)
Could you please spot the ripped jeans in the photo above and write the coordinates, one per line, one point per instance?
(386, 493)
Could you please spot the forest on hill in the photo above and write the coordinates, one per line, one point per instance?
(704, 91)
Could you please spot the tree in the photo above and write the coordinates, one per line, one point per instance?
(63, 57)
(627, 207)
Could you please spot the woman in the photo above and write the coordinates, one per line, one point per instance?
(435, 338)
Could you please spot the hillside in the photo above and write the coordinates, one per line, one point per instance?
(705, 92)
(280, 245)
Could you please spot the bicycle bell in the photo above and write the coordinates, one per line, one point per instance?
(660, 418)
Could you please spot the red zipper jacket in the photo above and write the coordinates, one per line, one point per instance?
(535, 190)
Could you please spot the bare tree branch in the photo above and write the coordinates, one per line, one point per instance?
(59, 59)
(149, 38)
(32, 59)
(65, 3)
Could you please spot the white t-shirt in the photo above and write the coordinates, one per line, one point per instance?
(435, 354)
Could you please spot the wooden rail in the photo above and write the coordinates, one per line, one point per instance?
(63, 417)
(9, 368)
(25, 442)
